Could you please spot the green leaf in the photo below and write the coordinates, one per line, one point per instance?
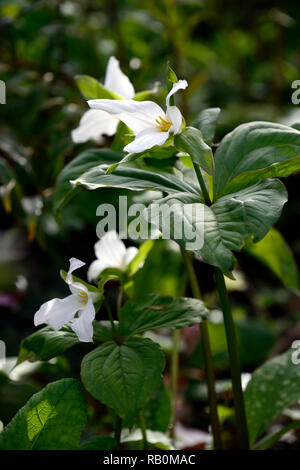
(140, 257)
(206, 121)
(90, 89)
(273, 387)
(226, 225)
(46, 343)
(253, 151)
(160, 311)
(133, 178)
(274, 252)
(129, 157)
(158, 411)
(269, 440)
(103, 331)
(13, 395)
(52, 419)
(123, 376)
(146, 94)
(99, 443)
(79, 165)
(191, 142)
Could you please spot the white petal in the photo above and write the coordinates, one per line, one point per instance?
(83, 326)
(137, 115)
(146, 140)
(93, 125)
(175, 117)
(110, 249)
(75, 287)
(117, 81)
(57, 312)
(95, 269)
(130, 254)
(180, 85)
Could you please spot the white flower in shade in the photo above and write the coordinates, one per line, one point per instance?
(95, 123)
(151, 125)
(57, 312)
(110, 253)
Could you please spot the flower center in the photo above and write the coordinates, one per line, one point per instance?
(163, 124)
(82, 298)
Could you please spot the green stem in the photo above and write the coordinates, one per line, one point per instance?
(118, 429)
(242, 429)
(119, 302)
(143, 429)
(209, 367)
(174, 378)
(110, 315)
(202, 184)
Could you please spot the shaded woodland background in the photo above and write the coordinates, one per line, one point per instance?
(240, 56)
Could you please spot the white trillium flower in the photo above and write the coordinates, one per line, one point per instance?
(151, 125)
(95, 123)
(57, 312)
(110, 253)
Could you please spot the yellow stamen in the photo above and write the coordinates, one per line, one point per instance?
(82, 298)
(163, 124)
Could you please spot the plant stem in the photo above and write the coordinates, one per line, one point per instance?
(110, 315)
(202, 184)
(209, 367)
(119, 302)
(143, 429)
(174, 378)
(118, 429)
(242, 429)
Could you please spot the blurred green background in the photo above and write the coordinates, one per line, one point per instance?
(240, 56)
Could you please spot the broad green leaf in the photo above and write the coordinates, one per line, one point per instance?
(274, 252)
(99, 443)
(129, 157)
(123, 376)
(133, 178)
(226, 225)
(159, 311)
(206, 121)
(44, 344)
(90, 89)
(273, 387)
(155, 153)
(267, 441)
(82, 163)
(253, 151)
(140, 257)
(158, 411)
(13, 395)
(103, 331)
(191, 141)
(146, 94)
(52, 419)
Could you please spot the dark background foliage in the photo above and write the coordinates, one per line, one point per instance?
(240, 56)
